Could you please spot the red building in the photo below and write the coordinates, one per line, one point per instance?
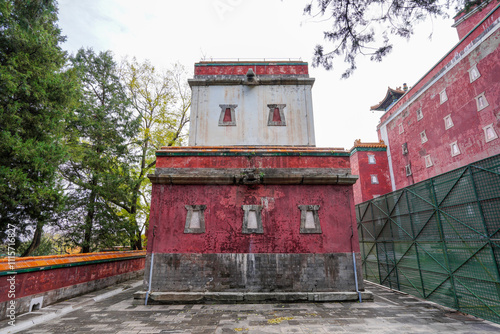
(369, 161)
(451, 116)
(235, 217)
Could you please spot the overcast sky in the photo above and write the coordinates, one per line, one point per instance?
(167, 31)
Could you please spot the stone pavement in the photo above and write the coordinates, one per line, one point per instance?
(111, 311)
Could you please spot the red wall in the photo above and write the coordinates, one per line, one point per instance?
(224, 217)
(364, 190)
(31, 283)
(195, 161)
(467, 25)
(235, 68)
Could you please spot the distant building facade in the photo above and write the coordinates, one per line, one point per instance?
(451, 116)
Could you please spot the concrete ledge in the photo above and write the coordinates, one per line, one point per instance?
(249, 297)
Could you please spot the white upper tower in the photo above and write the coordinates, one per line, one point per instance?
(251, 104)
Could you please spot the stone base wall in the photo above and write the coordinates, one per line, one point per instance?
(255, 272)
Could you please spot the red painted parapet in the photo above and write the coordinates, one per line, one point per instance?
(23, 277)
(251, 157)
(259, 68)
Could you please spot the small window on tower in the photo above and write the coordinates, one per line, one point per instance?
(454, 149)
(374, 179)
(423, 137)
(309, 219)
(448, 123)
(405, 148)
(420, 115)
(408, 170)
(481, 102)
(428, 161)
(443, 97)
(195, 219)
(474, 73)
(227, 115)
(276, 115)
(371, 159)
(401, 128)
(252, 219)
(489, 133)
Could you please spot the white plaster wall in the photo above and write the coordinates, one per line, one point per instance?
(251, 115)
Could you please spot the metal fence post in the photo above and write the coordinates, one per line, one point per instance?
(443, 242)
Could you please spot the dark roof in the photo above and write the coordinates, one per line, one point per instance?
(392, 96)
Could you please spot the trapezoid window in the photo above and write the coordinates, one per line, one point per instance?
(448, 122)
(408, 170)
(443, 97)
(474, 73)
(227, 114)
(195, 219)
(309, 219)
(276, 115)
(371, 159)
(489, 133)
(423, 137)
(455, 150)
(481, 102)
(252, 219)
(420, 115)
(428, 161)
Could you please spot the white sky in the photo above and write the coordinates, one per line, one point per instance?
(167, 31)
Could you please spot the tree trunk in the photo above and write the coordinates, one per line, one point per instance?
(37, 238)
(89, 222)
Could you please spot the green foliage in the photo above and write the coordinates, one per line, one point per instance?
(35, 93)
(161, 100)
(99, 137)
(366, 27)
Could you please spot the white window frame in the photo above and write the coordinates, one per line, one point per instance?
(485, 129)
(485, 104)
(374, 179)
(474, 73)
(446, 126)
(420, 114)
(408, 170)
(428, 161)
(371, 159)
(423, 137)
(401, 128)
(404, 148)
(443, 97)
(452, 145)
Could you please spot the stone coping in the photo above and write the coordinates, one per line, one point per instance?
(9, 264)
(156, 297)
(235, 176)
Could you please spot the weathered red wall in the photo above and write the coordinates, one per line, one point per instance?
(31, 283)
(224, 217)
(279, 68)
(252, 161)
(364, 190)
(464, 27)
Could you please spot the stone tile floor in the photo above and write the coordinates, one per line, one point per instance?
(391, 312)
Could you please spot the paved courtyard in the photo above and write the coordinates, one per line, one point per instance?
(111, 311)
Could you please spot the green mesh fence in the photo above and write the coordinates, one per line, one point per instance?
(439, 239)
